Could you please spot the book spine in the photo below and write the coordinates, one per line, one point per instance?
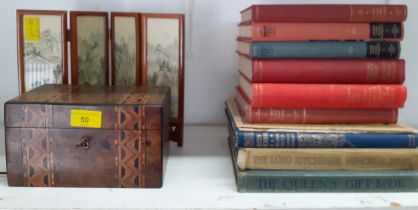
(383, 49)
(252, 139)
(320, 116)
(312, 116)
(329, 13)
(325, 31)
(327, 159)
(323, 96)
(324, 49)
(323, 71)
(353, 181)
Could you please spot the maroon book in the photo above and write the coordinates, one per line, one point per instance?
(325, 13)
(323, 71)
(312, 116)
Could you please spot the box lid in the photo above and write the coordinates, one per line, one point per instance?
(82, 106)
(93, 95)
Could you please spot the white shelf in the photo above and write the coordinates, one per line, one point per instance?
(198, 176)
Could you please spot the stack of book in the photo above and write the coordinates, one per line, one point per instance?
(318, 97)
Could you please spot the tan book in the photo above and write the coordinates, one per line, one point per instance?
(327, 159)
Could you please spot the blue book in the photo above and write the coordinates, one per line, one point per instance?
(322, 181)
(317, 136)
(320, 49)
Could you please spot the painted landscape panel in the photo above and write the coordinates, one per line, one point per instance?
(163, 56)
(91, 45)
(42, 50)
(125, 51)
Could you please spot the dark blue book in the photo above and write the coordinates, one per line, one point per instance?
(317, 136)
(320, 49)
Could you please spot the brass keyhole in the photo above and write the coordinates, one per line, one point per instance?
(84, 143)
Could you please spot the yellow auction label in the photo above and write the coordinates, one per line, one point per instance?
(86, 118)
(32, 29)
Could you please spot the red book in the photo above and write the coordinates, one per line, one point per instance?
(323, 96)
(279, 31)
(335, 71)
(325, 13)
(312, 116)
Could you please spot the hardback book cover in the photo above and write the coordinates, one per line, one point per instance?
(319, 49)
(327, 159)
(317, 136)
(322, 181)
(325, 13)
(323, 96)
(252, 114)
(323, 71)
(316, 31)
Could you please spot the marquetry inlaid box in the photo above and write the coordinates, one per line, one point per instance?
(87, 136)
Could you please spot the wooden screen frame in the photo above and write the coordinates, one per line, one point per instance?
(137, 18)
(177, 123)
(74, 49)
(20, 45)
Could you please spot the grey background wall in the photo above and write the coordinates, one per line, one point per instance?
(211, 63)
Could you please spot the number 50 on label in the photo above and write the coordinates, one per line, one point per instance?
(85, 118)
